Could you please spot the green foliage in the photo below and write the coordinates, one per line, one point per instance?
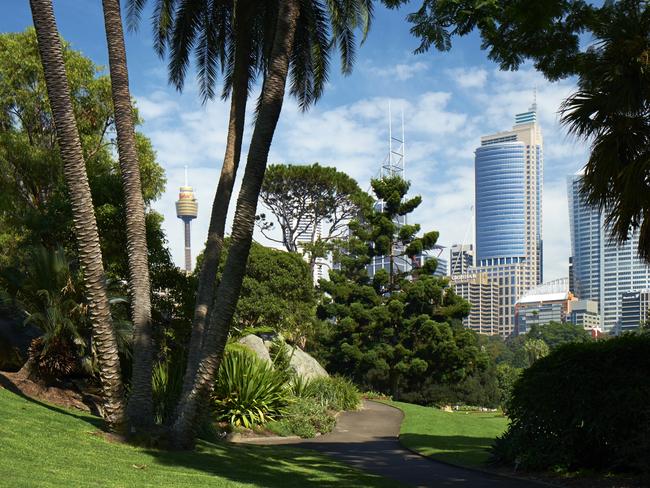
(304, 418)
(316, 197)
(479, 388)
(167, 383)
(506, 376)
(334, 393)
(34, 205)
(555, 334)
(281, 355)
(248, 391)
(390, 333)
(546, 31)
(277, 294)
(48, 294)
(582, 406)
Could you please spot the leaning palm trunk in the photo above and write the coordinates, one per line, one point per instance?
(214, 245)
(140, 405)
(216, 334)
(85, 225)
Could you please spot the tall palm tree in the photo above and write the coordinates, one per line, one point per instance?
(239, 42)
(228, 290)
(140, 404)
(300, 49)
(85, 225)
(611, 109)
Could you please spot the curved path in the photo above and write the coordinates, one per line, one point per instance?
(368, 439)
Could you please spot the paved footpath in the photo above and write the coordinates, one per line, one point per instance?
(368, 439)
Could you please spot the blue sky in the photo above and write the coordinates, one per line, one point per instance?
(449, 100)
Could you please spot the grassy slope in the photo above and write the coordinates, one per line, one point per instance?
(47, 446)
(455, 437)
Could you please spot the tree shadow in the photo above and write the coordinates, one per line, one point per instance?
(456, 449)
(268, 466)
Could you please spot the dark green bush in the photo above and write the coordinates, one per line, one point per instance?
(583, 406)
(304, 418)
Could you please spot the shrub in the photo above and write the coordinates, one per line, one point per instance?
(248, 391)
(334, 393)
(304, 418)
(583, 406)
(167, 383)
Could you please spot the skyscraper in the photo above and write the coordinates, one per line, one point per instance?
(603, 270)
(186, 210)
(508, 191)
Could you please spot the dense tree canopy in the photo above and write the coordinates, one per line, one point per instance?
(34, 208)
(277, 294)
(392, 331)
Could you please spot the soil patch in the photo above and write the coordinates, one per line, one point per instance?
(68, 395)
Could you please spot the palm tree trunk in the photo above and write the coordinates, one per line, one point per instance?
(227, 295)
(85, 225)
(139, 409)
(214, 245)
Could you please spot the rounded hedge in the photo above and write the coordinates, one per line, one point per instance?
(583, 406)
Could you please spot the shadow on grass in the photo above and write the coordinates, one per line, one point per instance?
(455, 449)
(270, 466)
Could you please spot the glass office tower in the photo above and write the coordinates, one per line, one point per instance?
(603, 270)
(508, 193)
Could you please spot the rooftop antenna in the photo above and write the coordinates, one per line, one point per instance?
(186, 175)
(534, 106)
(393, 165)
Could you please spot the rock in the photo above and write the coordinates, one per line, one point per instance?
(256, 345)
(305, 365)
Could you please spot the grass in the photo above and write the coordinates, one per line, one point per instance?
(455, 437)
(47, 446)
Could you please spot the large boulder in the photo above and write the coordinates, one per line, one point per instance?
(256, 344)
(305, 365)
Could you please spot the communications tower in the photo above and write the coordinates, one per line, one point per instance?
(186, 209)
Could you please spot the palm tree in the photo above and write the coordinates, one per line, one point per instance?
(300, 49)
(85, 225)
(240, 42)
(228, 290)
(612, 110)
(140, 404)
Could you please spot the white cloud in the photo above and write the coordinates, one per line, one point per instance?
(468, 77)
(155, 105)
(401, 72)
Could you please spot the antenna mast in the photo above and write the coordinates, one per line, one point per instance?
(393, 165)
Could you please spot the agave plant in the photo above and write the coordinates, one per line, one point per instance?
(248, 391)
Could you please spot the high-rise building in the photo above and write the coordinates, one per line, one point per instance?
(634, 309)
(602, 268)
(483, 295)
(508, 191)
(461, 259)
(187, 209)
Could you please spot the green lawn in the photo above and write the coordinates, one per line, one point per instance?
(46, 446)
(455, 437)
